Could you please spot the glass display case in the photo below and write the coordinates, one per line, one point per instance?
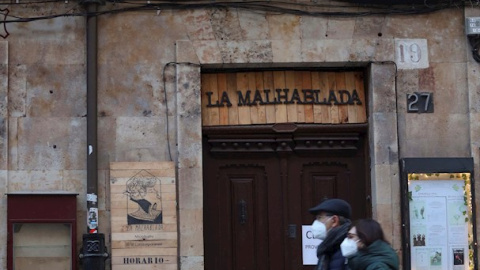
(41, 231)
(42, 246)
(438, 214)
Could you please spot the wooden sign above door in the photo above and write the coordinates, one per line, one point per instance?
(268, 97)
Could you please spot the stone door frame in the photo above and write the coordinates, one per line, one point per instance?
(376, 55)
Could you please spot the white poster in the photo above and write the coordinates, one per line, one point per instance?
(309, 246)
(438, 227)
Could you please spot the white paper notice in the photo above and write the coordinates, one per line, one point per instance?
(309, 246)
(438, 230)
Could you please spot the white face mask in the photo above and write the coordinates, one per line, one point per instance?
(349, 247)
(319, 230)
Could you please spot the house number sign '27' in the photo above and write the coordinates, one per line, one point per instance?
(420, 102)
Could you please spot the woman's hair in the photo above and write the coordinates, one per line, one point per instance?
(369, 231)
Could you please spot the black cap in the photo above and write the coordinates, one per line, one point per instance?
(337, 207)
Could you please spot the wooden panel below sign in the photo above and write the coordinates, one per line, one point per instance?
(146, 267)
(289, 96)
(145, 260)
(144, 214)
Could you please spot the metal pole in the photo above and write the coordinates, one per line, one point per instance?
(93, 253)
(92, 172)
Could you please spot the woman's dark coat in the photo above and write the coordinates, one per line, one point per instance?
(378, 256)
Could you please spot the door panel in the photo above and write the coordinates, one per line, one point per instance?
(257, 198)
(237, 228)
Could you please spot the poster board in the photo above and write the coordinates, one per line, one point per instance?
(438, 216)
(143, 215)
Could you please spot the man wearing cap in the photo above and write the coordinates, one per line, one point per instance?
(331, 225)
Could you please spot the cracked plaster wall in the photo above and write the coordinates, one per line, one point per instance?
(42, 97)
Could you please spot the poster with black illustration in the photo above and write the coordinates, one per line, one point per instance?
(144, 205)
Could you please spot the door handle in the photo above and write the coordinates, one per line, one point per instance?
(242, 212)
(292, 231)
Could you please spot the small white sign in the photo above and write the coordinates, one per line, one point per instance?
(309, 246)
(411, 53)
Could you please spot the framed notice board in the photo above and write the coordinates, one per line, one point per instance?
(438, 214)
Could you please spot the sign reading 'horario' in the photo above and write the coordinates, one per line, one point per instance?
(286, 96)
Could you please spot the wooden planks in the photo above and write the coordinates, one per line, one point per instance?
(143, 213)
(268, 97)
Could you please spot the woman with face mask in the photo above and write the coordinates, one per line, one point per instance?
(366, 247)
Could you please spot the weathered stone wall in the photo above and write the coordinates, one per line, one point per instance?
(43, 96)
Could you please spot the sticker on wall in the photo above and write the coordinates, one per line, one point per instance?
(144, 205)
(92, 220)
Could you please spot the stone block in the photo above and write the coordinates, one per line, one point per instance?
(106, 138)
(287, 51)
(313, 50)
(474, 130)
(3, 143)
(246, 51)
(13, 143)
(54, 90)
(139, 139)
(29, 181)
(205, 51)
(384, 215)
(3, 90)
(473, 86)
(53, 49)
(383, 135)
(191, 232)
(3, 220)
(190, 192)
(284, 27)
(404, 26)
(337, 50)
(188, 95)
(192, 262)
(51, 143)
(313, 28)
(450, 92)
(384, 177)
(340, 28)
(369, 27)
(17, 92)
(385, 50)
(76, 181)
(3, 183)
(451, 125)
(138, 93)
(198, 25)
(437, 137)
(253, 26)
(4, 52)
(226, 25)
(104, 190)
(362, 50)
(382, 88)
(447, 49)
(185, 51)
(152, 45)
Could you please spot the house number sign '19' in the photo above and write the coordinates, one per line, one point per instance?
(411, 53)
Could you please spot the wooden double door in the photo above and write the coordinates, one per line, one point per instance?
(258, 188)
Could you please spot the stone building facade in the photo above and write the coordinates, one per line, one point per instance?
(150, 64)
